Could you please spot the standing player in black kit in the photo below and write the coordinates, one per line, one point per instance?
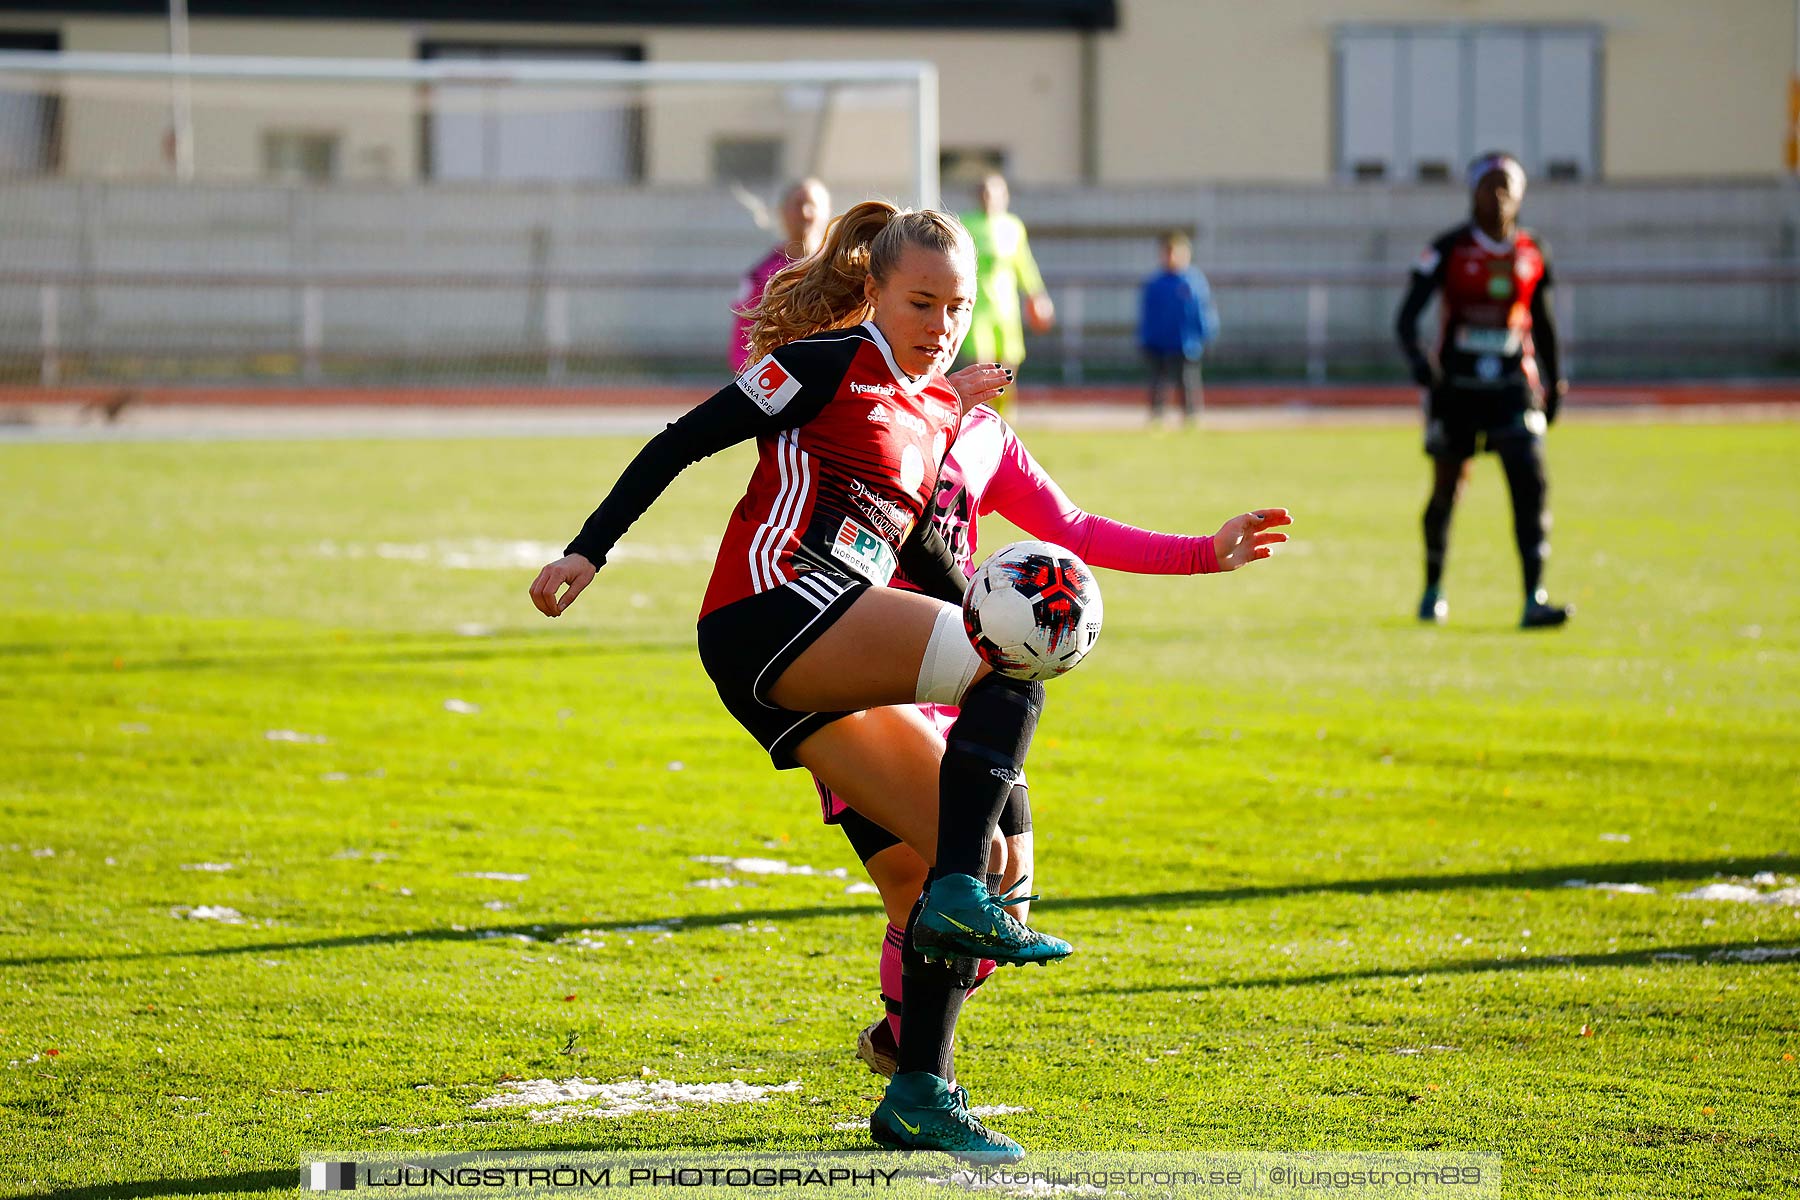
(1495, 382)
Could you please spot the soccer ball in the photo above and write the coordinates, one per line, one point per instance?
(1032, 610)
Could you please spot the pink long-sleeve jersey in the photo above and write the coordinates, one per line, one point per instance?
(988, 470)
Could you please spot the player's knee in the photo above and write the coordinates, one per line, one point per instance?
(950, 661)
(899, 874)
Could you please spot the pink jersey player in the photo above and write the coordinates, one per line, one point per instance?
(989, 470)
(750, 290)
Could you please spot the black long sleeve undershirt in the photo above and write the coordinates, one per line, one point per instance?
(1543, 340)
(1406, 328)
(929, 562)
(716, 424)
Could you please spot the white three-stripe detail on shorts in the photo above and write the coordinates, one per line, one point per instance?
(798, 586)
(817, 590)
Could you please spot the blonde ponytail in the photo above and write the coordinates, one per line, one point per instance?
(825, 290)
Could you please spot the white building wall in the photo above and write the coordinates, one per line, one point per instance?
(1185, 90)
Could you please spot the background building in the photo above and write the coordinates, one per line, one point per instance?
(1053, 91)
(476, 228)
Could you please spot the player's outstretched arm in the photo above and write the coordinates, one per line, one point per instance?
(1249, 536)
(728, 417)
(573, 570)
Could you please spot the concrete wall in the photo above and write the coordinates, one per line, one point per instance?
(647, 276)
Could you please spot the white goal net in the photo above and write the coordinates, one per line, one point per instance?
(460, 221)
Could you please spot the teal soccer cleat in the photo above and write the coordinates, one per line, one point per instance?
(962, 918)
(922, 1112)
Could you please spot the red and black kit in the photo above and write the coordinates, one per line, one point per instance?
(1496, 353)
(848, 451)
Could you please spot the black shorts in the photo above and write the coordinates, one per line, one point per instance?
(746, 645)
(1461, 424)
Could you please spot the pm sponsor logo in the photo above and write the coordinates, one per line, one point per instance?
(864, 552)
(769, 385)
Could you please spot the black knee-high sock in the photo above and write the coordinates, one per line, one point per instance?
(1524, 465)
(983, 755)
(1437, 520)
(934, 999)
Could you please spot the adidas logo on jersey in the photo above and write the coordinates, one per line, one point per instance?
(883, 416)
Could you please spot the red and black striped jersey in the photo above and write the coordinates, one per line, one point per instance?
(848, 452)
(845, 469)
(1487, 296)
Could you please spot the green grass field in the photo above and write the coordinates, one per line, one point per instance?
(1313, 856)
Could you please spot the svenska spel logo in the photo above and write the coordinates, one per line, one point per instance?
(331, 1177)
(769, 385)
(772, 376)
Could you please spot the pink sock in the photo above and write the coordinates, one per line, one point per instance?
(891, 976)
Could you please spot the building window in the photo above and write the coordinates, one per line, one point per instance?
(28, 120)
(498, 132)
(1416, 103)
(299, 156)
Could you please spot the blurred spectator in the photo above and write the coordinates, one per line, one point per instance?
(1004, 267)
(1176, 320)
(805, 211)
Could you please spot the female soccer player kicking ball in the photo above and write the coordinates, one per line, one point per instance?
(814, 656)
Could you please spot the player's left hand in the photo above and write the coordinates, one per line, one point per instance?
(982, 383)
(1248, 537)
(1040, 313)
(1553, 399)
(573, 570)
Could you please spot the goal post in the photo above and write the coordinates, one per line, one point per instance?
(487, 214)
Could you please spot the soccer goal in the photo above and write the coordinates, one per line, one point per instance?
(475, 218)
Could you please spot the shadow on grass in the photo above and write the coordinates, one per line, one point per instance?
(323, 652)
(1638, 871)
(1720, 952)
(244, 1181)
(1552, 878)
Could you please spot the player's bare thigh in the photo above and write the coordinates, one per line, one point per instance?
(868, 658)
(883, 762)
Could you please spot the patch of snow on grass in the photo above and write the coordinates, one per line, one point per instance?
(587, 1099)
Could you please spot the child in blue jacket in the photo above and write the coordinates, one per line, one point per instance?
(1176, 321)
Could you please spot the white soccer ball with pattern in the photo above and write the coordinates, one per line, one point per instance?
(1032, 610)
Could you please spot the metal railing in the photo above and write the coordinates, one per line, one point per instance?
(540, 335)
